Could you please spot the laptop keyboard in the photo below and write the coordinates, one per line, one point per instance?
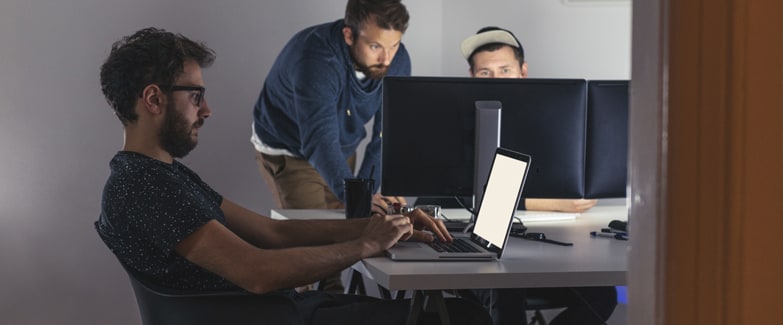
(459, 245)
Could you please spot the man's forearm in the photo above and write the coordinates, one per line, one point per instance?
(293, 233)
(289, 268)
(268, 233)
(217, 249)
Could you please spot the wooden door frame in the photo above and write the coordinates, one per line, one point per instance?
(706, 166)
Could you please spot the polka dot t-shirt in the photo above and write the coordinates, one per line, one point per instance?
(148, 207)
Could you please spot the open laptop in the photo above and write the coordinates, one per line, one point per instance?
(493, 220)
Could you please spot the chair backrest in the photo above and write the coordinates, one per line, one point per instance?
(159, 305)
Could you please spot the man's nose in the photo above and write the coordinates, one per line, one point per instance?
(204, 110)
(385, 57)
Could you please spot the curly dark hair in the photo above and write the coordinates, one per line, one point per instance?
(149, 56)
(388, 14)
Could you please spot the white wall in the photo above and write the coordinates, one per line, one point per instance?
(590, 40)
(57, 134)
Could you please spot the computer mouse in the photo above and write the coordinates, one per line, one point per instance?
(619, 225)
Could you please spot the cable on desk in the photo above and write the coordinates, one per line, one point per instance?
(539, 236)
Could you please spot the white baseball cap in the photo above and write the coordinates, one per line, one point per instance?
(489, 35)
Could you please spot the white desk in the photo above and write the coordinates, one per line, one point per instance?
(452, 214)
(591, 261)
(598, 261)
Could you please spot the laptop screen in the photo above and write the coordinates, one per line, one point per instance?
(504, 187)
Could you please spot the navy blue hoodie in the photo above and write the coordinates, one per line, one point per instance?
(313, 105)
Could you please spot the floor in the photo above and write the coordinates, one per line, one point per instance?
(618, 317)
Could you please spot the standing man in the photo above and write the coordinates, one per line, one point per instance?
(496, 53)
(323, 88)
(168, 226)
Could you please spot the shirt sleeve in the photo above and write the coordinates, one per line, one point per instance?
(173, 209)
(316, 96)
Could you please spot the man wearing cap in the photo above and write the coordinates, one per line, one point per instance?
(496, 53)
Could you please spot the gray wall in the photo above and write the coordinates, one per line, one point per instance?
(57, 134)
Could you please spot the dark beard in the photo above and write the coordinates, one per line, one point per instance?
(375, 72)
(175, 135)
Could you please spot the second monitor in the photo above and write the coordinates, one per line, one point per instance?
(606, 162)
(429, 133)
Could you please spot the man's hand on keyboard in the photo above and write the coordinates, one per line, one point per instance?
(422, 221)
(380, 203)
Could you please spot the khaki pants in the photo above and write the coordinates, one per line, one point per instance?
(295, 184)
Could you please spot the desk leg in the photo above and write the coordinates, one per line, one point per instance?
(357, 284)
(428, 300)
(385, 293)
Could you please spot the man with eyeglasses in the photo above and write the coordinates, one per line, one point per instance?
(165, 224)
(494, 52)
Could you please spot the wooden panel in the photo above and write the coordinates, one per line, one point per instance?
(762, 215)
(681, 243)
(724, 250)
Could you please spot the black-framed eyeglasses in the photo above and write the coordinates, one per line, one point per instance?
(197, 99)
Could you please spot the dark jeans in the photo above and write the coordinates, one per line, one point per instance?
(324, 308)
(584, 305)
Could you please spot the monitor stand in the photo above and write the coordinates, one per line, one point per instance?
(486, 142)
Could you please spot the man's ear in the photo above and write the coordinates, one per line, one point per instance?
(153, 99)
(348, 35)
(524, 70)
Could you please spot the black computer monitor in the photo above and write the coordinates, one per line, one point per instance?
(547, 122)
(429, 133)
(606, 165)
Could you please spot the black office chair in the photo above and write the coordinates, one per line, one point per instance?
(159, 305)
(536, 305)
(533, 304)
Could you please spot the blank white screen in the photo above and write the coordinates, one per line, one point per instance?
(500, 199)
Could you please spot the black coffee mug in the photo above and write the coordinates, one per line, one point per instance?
(358, 197)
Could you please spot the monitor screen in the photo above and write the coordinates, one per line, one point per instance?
(429, 133)
(546, 120)
(606, 162)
